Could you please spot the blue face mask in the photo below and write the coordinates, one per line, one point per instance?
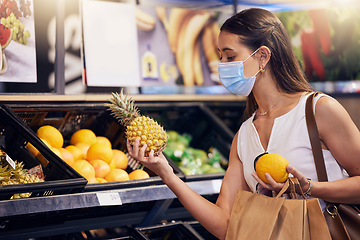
(231, 75)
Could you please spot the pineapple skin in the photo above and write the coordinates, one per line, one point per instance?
(149, 132)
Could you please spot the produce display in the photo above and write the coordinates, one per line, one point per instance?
(91, 156)
(142, 127)
(192, 160)
(16, 175)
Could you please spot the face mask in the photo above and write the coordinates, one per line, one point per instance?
(231, 75)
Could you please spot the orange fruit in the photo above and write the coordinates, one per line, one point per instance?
(117, 175)
(92, 180)
(84, 147)
(56, 151)
(52, 135)
(83, 136)
(102, 139)
(138, 174)
(112, 164)
(101, 180)
(32, 149)
(67, 156)
(120, 158)
(84, 168)
(100, 151)
(76, 152)
(271, 163)
(101, 168)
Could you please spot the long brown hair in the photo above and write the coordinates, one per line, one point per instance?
(258, 27)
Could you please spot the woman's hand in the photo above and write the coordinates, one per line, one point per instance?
(275, 186)
(158, 164)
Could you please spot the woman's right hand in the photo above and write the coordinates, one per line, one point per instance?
(158, 164)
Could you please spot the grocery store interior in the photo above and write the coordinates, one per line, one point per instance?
(62, 60)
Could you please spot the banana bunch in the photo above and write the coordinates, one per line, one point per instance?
(190, 34)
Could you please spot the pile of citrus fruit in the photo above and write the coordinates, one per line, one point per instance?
(91, 156)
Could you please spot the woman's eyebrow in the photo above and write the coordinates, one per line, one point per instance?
(225, 49)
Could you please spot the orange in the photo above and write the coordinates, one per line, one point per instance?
(76, 152)
(101, 168)
(271, 163)
(84, 147)
(138, 174)
(112, 164)
(83, 136)
(51, 135)
(120, 159)
(32, 149)
(67, 156)
(92, 180)
(103, 139)
(84, 168)
(101, 180)
(117, 175)
(100, 151)
(45, 142)
(56, 151)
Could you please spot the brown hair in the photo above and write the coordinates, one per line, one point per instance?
(258, 27)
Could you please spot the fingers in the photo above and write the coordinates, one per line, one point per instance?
(304, 183)
(272, 185)
(135, 151)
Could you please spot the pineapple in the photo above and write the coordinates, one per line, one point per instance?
(146, 129)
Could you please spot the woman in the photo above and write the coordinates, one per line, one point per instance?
(257, 61)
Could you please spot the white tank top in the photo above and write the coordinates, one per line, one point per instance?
(289, 138)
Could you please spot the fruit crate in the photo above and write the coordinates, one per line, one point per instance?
(68, 118)
(60, 178)
(173, 231)
(197, 120)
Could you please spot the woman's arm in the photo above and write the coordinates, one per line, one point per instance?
(214, 217)
(342, 138)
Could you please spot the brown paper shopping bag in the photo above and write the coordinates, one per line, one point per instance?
(255, 216)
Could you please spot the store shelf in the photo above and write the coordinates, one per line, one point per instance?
(100, 198)
(62, 214)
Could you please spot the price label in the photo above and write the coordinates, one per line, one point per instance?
(10, 161)
(216, 185)
(109, 198)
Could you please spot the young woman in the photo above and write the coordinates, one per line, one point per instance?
(257, 61)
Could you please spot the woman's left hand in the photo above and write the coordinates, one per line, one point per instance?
(275, 186)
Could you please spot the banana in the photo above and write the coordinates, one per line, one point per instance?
(177, 17)
(197, 68)
(209, 43)
(161, 14)
(186, 43)
(144, 21)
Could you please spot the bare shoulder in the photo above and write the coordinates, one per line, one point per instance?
(329, 109)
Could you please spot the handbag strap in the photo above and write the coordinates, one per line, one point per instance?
(315, 139)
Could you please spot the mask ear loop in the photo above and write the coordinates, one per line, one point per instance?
(251, 55)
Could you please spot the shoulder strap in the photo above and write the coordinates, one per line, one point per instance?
(315, 139)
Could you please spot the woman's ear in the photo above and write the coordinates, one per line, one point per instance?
(264, 56)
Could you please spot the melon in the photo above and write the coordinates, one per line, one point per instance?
(5, 36)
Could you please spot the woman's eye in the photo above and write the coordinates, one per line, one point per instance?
(230, 58)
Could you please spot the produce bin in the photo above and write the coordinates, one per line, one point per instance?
(60, 178)
(207, 131)
(195, 119)
(68, 118)
(173, 231)
(201, 230)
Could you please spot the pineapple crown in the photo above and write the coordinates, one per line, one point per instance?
(122, 107)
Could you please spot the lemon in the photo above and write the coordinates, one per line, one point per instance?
(271, 163)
